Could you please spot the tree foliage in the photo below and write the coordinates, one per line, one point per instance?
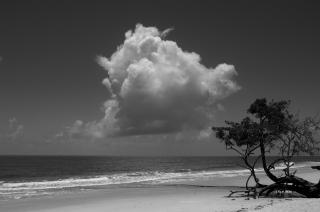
(272, 128)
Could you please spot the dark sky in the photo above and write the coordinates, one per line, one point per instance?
(50, 77)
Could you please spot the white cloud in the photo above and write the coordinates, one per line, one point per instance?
(157, 87)
(14, 131)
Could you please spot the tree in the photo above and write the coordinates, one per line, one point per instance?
(272, 128)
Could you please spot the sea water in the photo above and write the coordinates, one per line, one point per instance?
(27, 176)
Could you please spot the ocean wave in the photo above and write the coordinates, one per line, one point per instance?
(307, 164)
(297, 165)
(124, 178)
(22, 189)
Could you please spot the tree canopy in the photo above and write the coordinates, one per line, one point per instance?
(272, 128)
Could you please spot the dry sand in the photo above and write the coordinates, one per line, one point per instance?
(194, 195)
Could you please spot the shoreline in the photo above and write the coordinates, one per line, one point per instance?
(198, 194)
(179, 197)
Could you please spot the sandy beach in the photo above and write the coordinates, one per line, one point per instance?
(203, 194)
(159, 106)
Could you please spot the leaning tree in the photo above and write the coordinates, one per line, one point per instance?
(271, 129)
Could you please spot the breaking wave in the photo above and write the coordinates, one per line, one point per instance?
(17, 190)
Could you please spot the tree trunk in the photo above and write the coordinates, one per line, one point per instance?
(300, 186)
(264, 163)
(289, 183)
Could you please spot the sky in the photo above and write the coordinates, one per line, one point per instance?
(141, 78)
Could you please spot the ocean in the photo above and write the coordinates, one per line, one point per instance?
(27, 176)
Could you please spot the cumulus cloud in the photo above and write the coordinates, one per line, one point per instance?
(157, 87)
(95, 129)
(14, 131)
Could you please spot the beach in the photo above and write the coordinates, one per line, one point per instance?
(197, 194)
(159, 106)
